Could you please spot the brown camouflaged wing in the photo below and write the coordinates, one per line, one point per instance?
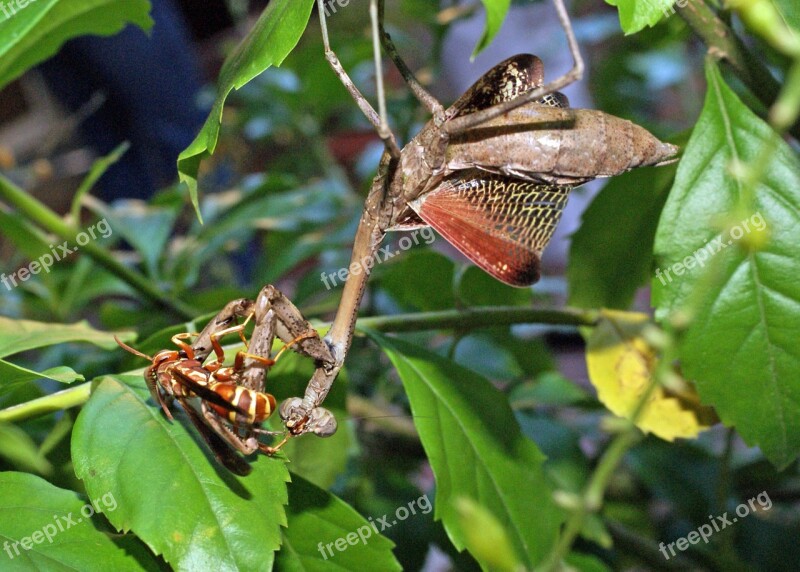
(504, 82)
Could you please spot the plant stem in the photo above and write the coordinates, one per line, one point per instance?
(591, 500)
(592, 497)
(40, 214)
(481, 317)
(72, 397)
(459, 319)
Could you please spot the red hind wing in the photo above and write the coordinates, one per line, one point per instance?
(499, 223)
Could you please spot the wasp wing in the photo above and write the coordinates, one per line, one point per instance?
(204, 392)
(222, 452)
(499, 223)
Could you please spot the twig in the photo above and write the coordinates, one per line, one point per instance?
(470, 318)
(478, 318)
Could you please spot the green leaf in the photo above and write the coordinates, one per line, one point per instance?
(318, 518)
(550, 389)
(744, 302)
(146, 228)
(22, 335)
(476, 450)
(611, 254)
(274, 35)
(171, 492)
(433, 280)
(12, 376)
(477, 288)
(790, 12)
(635, 15)
(29, 240)
(18, 447)
(585, 563)
(496, 11)
(99, 167)
(86, 282)
(36, 31)
(46, 528)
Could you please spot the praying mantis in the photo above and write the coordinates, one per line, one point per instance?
(491, 173)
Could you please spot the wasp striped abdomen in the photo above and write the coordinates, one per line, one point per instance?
(253, 407)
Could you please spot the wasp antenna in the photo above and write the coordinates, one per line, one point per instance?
(126, 347)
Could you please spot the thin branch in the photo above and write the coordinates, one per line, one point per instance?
(481, 317)
(451, 319)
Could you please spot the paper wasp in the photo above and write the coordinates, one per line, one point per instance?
(232, 399)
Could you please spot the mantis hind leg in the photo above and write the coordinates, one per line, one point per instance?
(377, 120)
(425, 98)
(461, 124)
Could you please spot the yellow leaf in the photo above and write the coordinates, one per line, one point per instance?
(621, 363)
(486, 539)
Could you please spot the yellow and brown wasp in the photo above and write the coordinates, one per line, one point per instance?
(232, 398)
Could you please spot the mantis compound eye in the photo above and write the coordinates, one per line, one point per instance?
(290, 408)
(321, 422)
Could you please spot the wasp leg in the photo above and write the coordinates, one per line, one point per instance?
(246, 445)
(216, 441)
